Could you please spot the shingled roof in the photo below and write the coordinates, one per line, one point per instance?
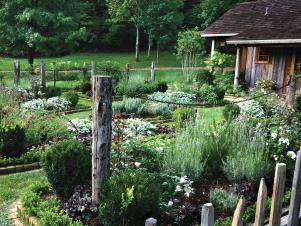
(263, 21)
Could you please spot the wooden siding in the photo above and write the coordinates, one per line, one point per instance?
(273, 71)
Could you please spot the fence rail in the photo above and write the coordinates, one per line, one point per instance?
(276, 207)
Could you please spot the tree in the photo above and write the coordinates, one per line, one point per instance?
(48, 27)
(131, 11)
(190, 46)
(162, 20)
(213, 9)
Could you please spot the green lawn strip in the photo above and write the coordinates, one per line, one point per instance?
(80, 115)
(211, 115)
(166, 59)
(10, 188)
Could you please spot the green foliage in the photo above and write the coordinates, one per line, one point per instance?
(12, 141)
(63, 76)
(110, 68)
(46, 27)
(160, 109)
(223, 199)
(72, 97)
(130, 105)
(211, 94)
(231, 111)
(220, 61)
(247, 157)
(297, 103)
(182, 116)
(85, 86)
(224, 80)
(43, 129)
(204, 77)
(52, 92)
(128, 198)
(67, 164)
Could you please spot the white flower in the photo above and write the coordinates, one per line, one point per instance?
(159, 149)
(183, 180)
(274, 135)
(137, 164)
(291, 154)
(284, 141)
(178, 188)
(170, 203)
(275, 157)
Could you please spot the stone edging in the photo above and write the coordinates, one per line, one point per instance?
(17, 216)
(19, 168)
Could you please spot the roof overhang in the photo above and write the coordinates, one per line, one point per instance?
(268, 41)
(218, 35)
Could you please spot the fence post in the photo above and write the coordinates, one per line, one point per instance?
(43, 75)
(237, 217)
(151, 222)
(261, 204)
(153, 78)
(207, 215)
(85, 71)
(16, 73)
(101, 132)
(278, 190)
(294, 209)
(93, 69)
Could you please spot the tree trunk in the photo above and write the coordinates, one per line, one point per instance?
(157, 53)
(30, 55)
(149, 45)
(137, 44)
(101, 132)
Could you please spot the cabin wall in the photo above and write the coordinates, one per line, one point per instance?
(273, 71)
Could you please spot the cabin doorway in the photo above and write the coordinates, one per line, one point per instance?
(288, 68)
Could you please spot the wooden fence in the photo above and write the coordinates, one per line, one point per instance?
(276, 206)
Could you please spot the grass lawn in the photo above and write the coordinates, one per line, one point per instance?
(211, 115)
(166, 59)
(10, 188)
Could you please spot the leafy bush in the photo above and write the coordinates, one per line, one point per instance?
(67, 164)
(182, 116)
(72, 97)
(58, 103)
(85, 86)
(297, 103)
(12, 141)
(211, 94)
(173, 97)
(251, 108)
(44, 129)
(247, 157)
(224, 80)
(130, 105)
(231, 111)
(63, 76)
(52, 92)
(223, 199)
(128, 198)
(160, 109)
(205, 77)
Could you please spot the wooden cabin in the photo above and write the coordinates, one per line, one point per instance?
(267, 34)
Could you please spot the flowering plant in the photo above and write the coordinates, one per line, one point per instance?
(251, 108)
(58, 103)
(174, 97)
(35, 105)
(82, 126)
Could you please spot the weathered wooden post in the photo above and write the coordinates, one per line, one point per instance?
(101, 132)
(278, 190)
(127, 71)
(261, 204)
(93, 69)
(85, 71)
(207, 215)
(151, 222)
(290, 97)
(237, 217)
(16, 73)
(294, 210)
(237, 69)
(43, 75)
(153, 72)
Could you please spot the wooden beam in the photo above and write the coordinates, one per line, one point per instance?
(290, 97)
(237, 68)
(212, 47)
(101, 132)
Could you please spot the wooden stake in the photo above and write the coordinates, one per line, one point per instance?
(151, 222)
(127, 71)
(261, 204)
(101, 132)
(93, 69)
(294, 210)
(43, 75)
(16, 73)
(237, 217)
(207, 215)
(278, 190)
(153, 72)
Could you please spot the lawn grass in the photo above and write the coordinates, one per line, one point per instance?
(211, 115)
(10, 188)
(166, 59)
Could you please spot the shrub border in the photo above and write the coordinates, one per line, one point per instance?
(19, 168)
(28, 220)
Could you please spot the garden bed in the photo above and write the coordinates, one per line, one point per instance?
(19, 168)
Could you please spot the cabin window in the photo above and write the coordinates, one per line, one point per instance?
(263, 56)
